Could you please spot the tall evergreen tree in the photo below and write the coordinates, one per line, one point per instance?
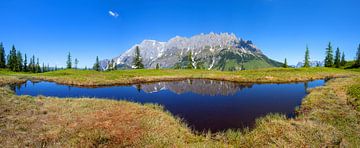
(2, 56)
(138, 59)
(25, 64)
(97, 64)
(157, 66)
(307, 57)
(19, 61)
(337, 58)
(114, 65)
(343, 61)
(68, 62)
(43, 67)
(76, 63)
(33, 64)
(12, 59)
(357, 60)
(190, 60)
(285, 63)
(329, 61)
(38, 69)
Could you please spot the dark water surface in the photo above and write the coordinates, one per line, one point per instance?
(203, 104)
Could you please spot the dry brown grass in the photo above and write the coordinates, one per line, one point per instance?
(327, 118)
(42, 121)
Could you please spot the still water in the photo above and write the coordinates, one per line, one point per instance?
(203, 104)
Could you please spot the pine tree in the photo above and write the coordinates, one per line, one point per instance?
(43, 67)
(55, 68)
(76, 63)
(285, 64)
(157, 66)
(137, 59)
(357, 60)
(307, 58)
(114, 64)
(343, 61)
(337, 58)
(2, 56)
(33, 65)
(68, 62)
(329, 61)
(25, 64)
(38, 69)
(19, 61)
(97, 64)
(190, 64)
(12, 59)
(30, 67)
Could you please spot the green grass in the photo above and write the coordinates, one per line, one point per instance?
(354, 93)
(328, 116)
(94, 78)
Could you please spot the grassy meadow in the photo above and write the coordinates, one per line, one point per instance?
(328, 117)
(92, 78)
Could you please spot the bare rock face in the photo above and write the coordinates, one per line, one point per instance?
(214, 51)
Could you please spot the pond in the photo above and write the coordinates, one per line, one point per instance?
(203, 104)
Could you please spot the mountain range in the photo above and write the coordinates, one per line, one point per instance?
(222, 51)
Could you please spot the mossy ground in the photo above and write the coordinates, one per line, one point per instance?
(328, 116)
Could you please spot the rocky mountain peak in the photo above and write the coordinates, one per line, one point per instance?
(209, 49)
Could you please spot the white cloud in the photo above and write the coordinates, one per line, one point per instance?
(113, 14)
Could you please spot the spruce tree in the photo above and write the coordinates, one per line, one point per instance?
(97, 64)
(19, 61)
(329, 61)
(343, 61)
(33, 64)
(357, 60)
(137, 59)
(337, 58)
(12, 59)
(76, 62)
(43, 67)
(68, 62)
(285, 63)
(307, 58)
(114, 64)
(190, 60)
(25, 64)
(2, 56)
(38, 69)
(157, 66)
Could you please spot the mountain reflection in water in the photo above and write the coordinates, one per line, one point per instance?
(202, 104)
(198, 86)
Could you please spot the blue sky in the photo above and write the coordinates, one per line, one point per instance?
(281, 28)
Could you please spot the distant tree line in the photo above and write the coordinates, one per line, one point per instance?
(15, 61)
(331, 60)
